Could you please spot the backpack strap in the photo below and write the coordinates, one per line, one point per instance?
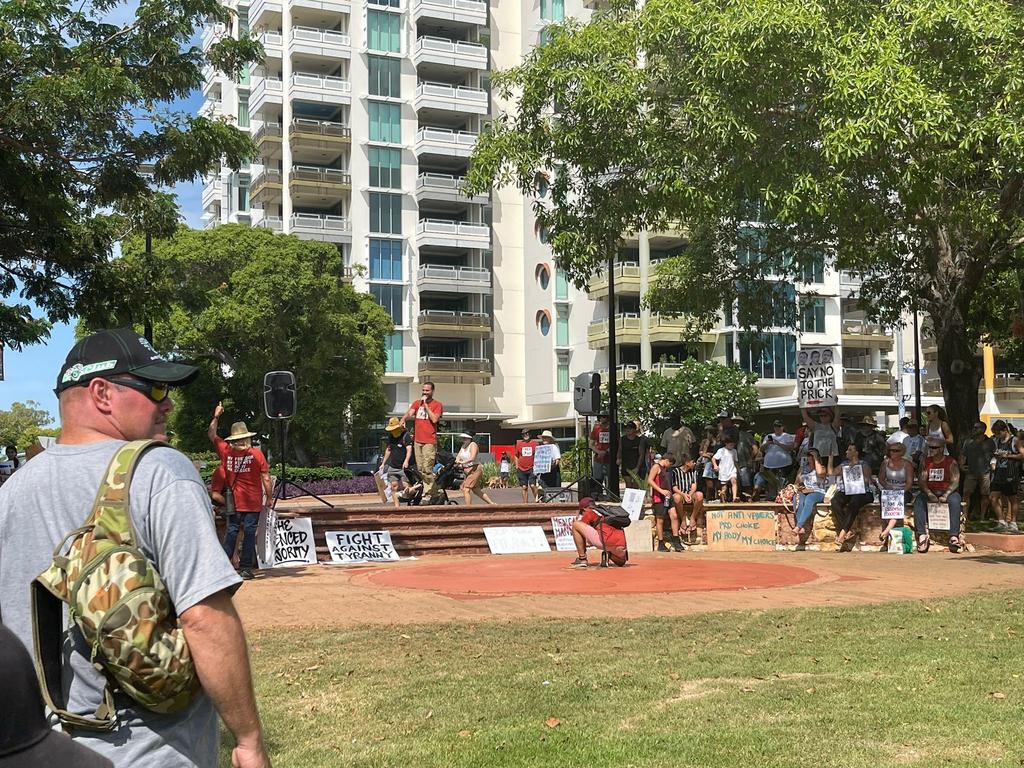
(110, 508)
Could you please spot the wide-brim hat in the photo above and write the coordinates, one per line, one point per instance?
(394, 425)
(116, 352)
(239, 431)
(465, 435)
(547, 433)
(870, 420)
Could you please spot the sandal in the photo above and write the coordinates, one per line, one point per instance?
(954, 545)
(925, 543)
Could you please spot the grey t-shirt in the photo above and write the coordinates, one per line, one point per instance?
(52, 495)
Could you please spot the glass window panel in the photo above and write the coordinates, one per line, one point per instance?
(243, 110)
(385, 76)
(385, 122)
(385, 213)
(389, 297)
(562, 331)
(561, 285)
(393, 352)
(385, 259)
(563, 377)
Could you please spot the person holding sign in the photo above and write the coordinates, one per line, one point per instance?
(547, 461)
(823, 433)
(939, 483)
(812, 492)
(897, 474)
(853, 477)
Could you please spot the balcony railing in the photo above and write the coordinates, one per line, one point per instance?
(321, 175)
(863, 328)
(475, 97)
(452, 7)
(317, 221)
(442, 182)
(211, 109)
(454, 228)
(461, 139)
(321, 36)
(273, 223)
(267, 131)
(866, 377)
(304, 125)
(325, 82)
(454, 321)
(475, 52)
(455, 364)
(211, 34)
(462, 275)
(262, 86)
(272, 42)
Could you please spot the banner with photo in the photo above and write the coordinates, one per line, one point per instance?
(816, 377)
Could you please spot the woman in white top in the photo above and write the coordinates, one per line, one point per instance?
(466, 461)
(938, 426)
(896, 474)
(812, 492)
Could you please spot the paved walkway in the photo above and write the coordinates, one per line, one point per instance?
(441, 589)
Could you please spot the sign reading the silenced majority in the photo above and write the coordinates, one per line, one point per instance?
(360, 546)
(561, 526)
(816, 377)
(293, 543)
(741, 530)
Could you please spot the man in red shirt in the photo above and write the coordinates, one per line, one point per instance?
(600, 442)
(525, 450)
(247, 477)
(587, 528)
(427, 413)
(940, 480)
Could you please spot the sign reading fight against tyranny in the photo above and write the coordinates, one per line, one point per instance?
(561, 526)
(293, 544)
(816, 377)
(360, 546)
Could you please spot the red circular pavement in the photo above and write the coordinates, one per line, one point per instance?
(504, 575)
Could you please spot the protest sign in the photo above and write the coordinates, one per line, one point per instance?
(293, 544)
(853, 479)
(633, 502)
(266, 535)
(893, 507)
(360, 546)
(561, 526)
(816, 377)
(899, 541)
(938, 516)
(542, 459)
(741, 530)
(515, 540)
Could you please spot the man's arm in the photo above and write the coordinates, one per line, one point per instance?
(217, 642)
(268, 487)
(435, 417)
(408, 456)
(954, 480)
(211, 431)
(411, 412)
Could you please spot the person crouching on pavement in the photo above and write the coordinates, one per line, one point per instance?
(587, 528)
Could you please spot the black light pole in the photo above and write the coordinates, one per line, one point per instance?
(147, 324)
(917, 370)
(613, 389)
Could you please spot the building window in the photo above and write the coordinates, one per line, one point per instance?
(812, 315)
(385, 122)
(543, 275)
(544, 322)
(243, 196)
(386, 3)
(385, 259)
(385, 76)
(243, 75)
(561, 330)
(385, 167)
(243, 110)
(385, 213)
(382, 31)
(812, 268)
(389, 297)
(561, 286)
(770, 356)
(563, 377)
(552, 10)
(393, 352)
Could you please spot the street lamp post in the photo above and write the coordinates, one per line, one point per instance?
(613, 389)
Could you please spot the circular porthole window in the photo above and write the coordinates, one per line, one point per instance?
(544, 321)
(543, 274)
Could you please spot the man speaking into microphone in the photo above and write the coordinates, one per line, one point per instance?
(427, 413)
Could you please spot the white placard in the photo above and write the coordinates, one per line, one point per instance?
(896, 540)
(517, 540)
(853, 479)
(561, 526)
(266, 535)
(938, 516)
(360, 546)
(542, 459)
(293, 544)
(633, 502)
(816, 377)
(893, 507)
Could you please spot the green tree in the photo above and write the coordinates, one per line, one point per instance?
(23, 423)
(695, 395)
(88, 135)
(246, 301)
(885, 138)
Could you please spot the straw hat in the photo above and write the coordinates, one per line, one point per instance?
(239, 431)
(394, 425)
(869, 420)
(547, 433)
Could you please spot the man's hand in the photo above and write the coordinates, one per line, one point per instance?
(249, 757)
(218, 411)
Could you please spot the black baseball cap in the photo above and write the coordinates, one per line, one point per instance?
(778, 423)
(120, 351)
(26, 739)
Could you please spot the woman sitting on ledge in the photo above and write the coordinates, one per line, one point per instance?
(896, 474)
(852, 497)
(812, 492)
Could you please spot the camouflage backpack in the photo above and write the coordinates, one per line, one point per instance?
(120, 604)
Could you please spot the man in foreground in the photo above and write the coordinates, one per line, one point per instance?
(113, 388)
(426, 413)
(587, 528)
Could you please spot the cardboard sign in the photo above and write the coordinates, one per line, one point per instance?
(853, 480)
(266, 535)
(360, 546)
(938, 515)
(741, 530)
(816, 377)
(633, 502)
(561, 526)
(293, 544)
(893, 507)
(517, 540)
(542, 459)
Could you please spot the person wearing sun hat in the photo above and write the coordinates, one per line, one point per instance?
(397, 456)
(245, 480)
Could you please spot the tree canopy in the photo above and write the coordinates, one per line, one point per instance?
(886, 139)
(87, 136)
(245, 301)
(23, 423)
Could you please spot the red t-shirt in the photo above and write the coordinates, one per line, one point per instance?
(937, 475)
(218, 482)
(614, 538)
(603, 437)
(244, 470)
(426, 430)
(525, 450)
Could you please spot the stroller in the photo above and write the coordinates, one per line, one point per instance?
(446, 479)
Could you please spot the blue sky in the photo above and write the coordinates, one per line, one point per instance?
(31, 373)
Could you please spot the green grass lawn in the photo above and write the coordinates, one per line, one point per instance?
(931, 684)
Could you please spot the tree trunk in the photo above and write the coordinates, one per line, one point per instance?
(960, 370)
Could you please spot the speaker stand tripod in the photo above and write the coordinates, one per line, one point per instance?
(282, 481)
(552, 494)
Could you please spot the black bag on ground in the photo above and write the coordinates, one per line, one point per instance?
(615, 516)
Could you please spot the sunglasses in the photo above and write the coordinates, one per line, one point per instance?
(155, 391)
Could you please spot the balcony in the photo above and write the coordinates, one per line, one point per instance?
(451, 53)
(622, 373)
(444, 233)
(212, 191)
(665, 329)
(211, 83)
(441, 324)
(320, 42)
(273, 43)
(273, 223)
(627, 331)
(445, 142)
(268, 141)
(327, 89)
(451, 98)
(262, 13)
(465, 370)
(212, 110)
(444, 279)
(873, 381)
(211, 34)
(315, 226)
(462, 11)
(444, 186)
(330, 6)
(318, 140)
(266, 186)
(265, 90)
(1009, 385)
(627, 281)
(860, 333)
(313, 185)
